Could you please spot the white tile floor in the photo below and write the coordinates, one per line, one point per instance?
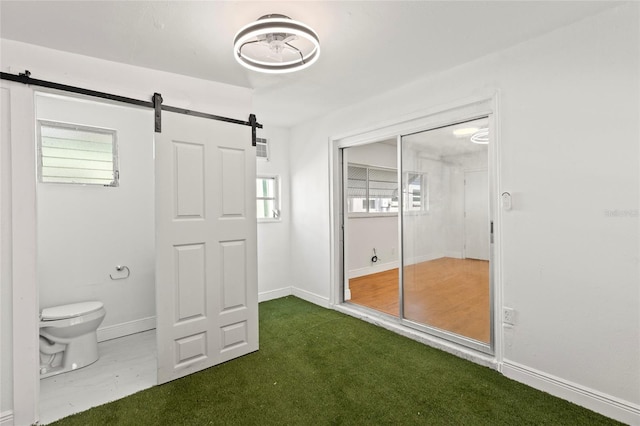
(126, 366)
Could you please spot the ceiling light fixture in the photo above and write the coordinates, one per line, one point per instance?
(276, 44)
(481, 136)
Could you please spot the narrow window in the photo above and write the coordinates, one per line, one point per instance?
(267, 198)
(77, 154)
(416, 192)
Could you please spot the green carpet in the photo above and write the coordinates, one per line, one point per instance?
(319, 367)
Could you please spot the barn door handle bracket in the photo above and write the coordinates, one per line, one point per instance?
(157, 107)
(254, 124)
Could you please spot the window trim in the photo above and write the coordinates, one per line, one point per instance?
(80, 127)
(424, 201)
(275, 198)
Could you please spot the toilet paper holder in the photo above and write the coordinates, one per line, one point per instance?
(121, 268)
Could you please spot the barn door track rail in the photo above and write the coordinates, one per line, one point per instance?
(155, 103)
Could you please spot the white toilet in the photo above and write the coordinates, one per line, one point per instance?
(68, 339)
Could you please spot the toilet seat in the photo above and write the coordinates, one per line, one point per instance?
(69, 311)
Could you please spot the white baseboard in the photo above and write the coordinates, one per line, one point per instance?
(373, 269)
(424, 258)
(311, 297)
(6, 418)
(607, 405)
(274, 294)
(454, 254)
(126, 328)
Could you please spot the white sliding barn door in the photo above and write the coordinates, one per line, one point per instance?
(206, 279)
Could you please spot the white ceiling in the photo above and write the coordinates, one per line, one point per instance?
(367, 47)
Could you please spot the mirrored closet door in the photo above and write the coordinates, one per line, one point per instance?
(445, 272)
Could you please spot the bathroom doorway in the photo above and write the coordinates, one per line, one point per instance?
(142, 226)
(96, 242)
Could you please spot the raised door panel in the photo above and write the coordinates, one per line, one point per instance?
(237, 251)
(189, 180)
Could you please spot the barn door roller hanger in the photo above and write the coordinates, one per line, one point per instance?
(155, 103)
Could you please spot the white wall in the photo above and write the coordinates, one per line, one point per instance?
(274, 266)
(364, 233)
(377, 154)
(425, 233)
(6, 291)
(367, 233)
(440, 230)
(454, 222)
(568, 129)
(125, 80)
(83, 71)
(84, 231)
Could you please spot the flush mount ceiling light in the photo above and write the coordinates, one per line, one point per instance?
(481, 136)
(276, 44)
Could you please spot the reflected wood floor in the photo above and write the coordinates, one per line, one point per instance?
(446, 293)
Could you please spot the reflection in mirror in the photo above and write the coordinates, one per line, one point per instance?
(445, 213)
(371, 225)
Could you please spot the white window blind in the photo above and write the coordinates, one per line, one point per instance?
(77, 154)
(371, 190)
(383, 183)
(357, 182)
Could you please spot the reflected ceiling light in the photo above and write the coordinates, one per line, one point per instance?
(276, 44)
(465, 131)
(481, 136)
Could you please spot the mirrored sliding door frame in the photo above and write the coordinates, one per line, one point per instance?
(457, 112)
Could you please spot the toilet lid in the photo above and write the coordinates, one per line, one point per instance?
(69, 311)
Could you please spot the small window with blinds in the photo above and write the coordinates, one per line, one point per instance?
(77, 154)
(262, 149)
(371, 189)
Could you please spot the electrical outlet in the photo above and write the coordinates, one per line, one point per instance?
(508, 316)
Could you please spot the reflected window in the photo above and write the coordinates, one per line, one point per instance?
(372, 190)
(415, 194)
